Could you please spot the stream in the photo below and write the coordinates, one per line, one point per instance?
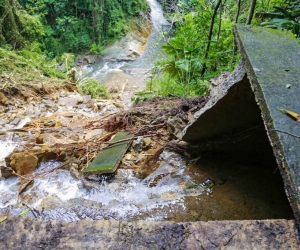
(176, 190)
(115, 70)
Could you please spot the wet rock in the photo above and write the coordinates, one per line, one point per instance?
(5, 172)
(176, 126)
(74, 171)
(141, 143)
(88, 59)
(137, 144)
(15, 121)
(172, 159)
(50, 202)
(23, 163)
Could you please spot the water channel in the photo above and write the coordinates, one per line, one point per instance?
(175, 191)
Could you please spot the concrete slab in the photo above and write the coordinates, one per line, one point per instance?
(230, 121)
(26, 233)
(272, 60)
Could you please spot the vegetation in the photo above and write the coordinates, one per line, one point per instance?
(65, 25)
(201, 48)
(35, 33)
(27, 65)
(203, 45)
(285, 16)
(90, 86)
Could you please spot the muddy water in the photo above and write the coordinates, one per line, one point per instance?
(245, 189)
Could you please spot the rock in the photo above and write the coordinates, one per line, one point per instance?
(147, 143)
(4, 100)
(75, 172)
(96, 133)
(5, 172)
(23, 163)
(88, 59)
(113, 89)
(173, 159)
(137, 144)
(15, 121)
(176, 126)
(70, 101)
(86, 98)
(130, 157)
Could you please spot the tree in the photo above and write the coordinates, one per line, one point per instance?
(17, 27)
(251, 12)
(10, 24)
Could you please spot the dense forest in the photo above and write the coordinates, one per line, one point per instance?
(66, 25)
(200, 47)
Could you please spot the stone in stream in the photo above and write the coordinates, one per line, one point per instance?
(109, 158)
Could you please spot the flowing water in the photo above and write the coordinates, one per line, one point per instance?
(175, 191)
(134, 73)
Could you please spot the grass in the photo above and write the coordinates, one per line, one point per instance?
(25, 66)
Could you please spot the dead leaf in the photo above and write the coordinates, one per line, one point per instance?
(291, 113)
(3, 219)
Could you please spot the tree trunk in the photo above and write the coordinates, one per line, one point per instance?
(251, 12)
(10, 25)
(238, 11)
(212, 22)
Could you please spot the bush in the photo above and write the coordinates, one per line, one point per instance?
(92, 87)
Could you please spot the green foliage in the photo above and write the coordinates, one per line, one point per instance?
(28, 64)
(75, 26)
(17, 27)
(286, 17)
(190, 53)
(165, 85)
(68, 59)
(96, 49)
(90, 86)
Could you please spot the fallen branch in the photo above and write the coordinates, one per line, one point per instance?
(129, 139)
(149, 126)
(122, 90)
(33, 211)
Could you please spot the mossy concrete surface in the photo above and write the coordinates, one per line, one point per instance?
(26, 233)
(272, 63)
(109, 158)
